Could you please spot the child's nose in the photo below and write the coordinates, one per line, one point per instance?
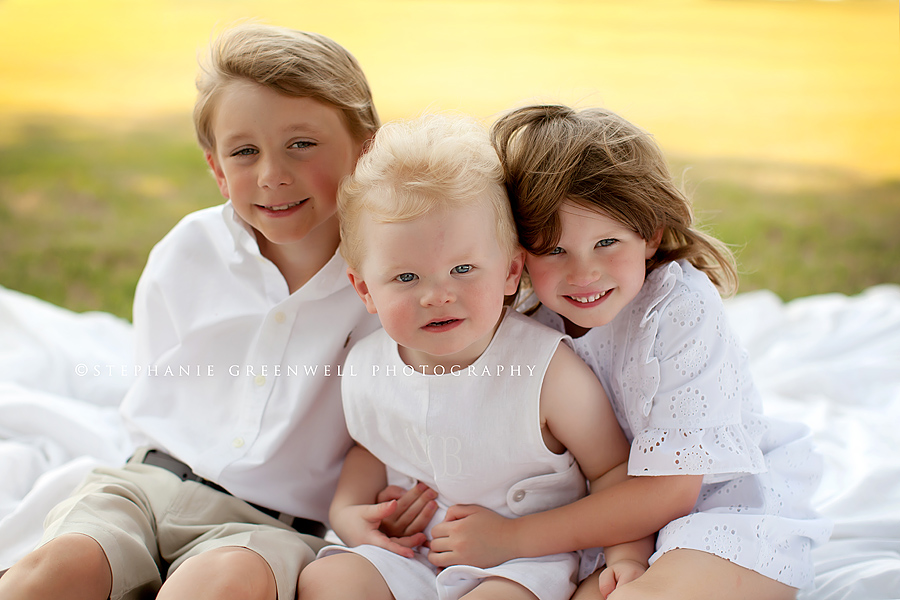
(582, 273)
(274, 171)
(437, 294)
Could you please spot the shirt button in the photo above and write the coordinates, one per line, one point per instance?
(237, 442)
(279, 317)
(260, 380)
(519, 496)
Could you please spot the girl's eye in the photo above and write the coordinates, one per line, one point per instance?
(460, 269)
(406, 277)
(607, 242)
(245, 152)
(302, 145)
(556, 250)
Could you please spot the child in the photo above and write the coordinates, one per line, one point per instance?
(615, 262)
(457, 391)
(235, 304)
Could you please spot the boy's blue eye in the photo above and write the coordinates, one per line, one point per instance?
(302, 144)
(556, 250)
(607, 242)
(245, 152)
(460, 269)
(406, 277)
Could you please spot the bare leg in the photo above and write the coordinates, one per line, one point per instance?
(341, 576)
(224, 573)
(693, 575)
(589, 589)
(70, 567)
(497, 588)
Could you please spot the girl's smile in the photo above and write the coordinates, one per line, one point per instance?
(588, 300)
(595, 270)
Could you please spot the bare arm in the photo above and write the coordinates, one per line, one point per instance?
(618, 510)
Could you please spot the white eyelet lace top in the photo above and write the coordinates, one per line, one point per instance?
(681, 387)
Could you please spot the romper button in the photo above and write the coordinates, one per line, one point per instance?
(279, 317)
(260, 380)
(237, 442)
(519, 496)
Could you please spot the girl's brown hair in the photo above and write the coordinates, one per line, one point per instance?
(595, 158)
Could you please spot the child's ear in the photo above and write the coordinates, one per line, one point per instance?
(362, 290)
(653, 243)
(364, 145)
(217, 171)
(516, 265)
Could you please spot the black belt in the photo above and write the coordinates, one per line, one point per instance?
(157, 458)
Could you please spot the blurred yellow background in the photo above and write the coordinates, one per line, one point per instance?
(802, 82)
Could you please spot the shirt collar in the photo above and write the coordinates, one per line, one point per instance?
(243, 235)
(331, 278)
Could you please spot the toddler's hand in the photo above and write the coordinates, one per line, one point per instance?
(619, 573)
(472, 535)
(359, 525)
(415, 508)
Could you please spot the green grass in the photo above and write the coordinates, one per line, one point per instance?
(801, 231)
(81, 206)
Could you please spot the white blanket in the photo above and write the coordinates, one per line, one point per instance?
(831, 361)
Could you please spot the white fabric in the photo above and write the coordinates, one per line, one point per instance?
(227, 357)
(830, 361)
(474, 436)
(681, 386)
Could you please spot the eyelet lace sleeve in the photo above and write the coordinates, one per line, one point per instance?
(687, 392)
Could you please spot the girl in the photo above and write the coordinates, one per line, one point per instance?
(615, 262)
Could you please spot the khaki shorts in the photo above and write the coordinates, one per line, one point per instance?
(148, 522)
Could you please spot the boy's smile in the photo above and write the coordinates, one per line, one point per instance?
(283, 208)
(437, 283)
(280, 159)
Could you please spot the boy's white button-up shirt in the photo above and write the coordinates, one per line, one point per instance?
(240, 379)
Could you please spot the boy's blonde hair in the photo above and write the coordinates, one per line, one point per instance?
(294, 63)
(601, 161)
(411, 168)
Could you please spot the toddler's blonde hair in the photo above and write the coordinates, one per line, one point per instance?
(414, 167)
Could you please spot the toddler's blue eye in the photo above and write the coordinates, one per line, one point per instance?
(406, 277)
(302, 144)
(607, 242)
(556, 250)
(460, 269)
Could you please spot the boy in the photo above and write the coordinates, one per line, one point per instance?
(458, 391)
(240, 312)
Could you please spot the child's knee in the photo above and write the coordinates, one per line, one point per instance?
(338, 576)
(69, 562)
(310, 581)
(230, 572)
(323, 576)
